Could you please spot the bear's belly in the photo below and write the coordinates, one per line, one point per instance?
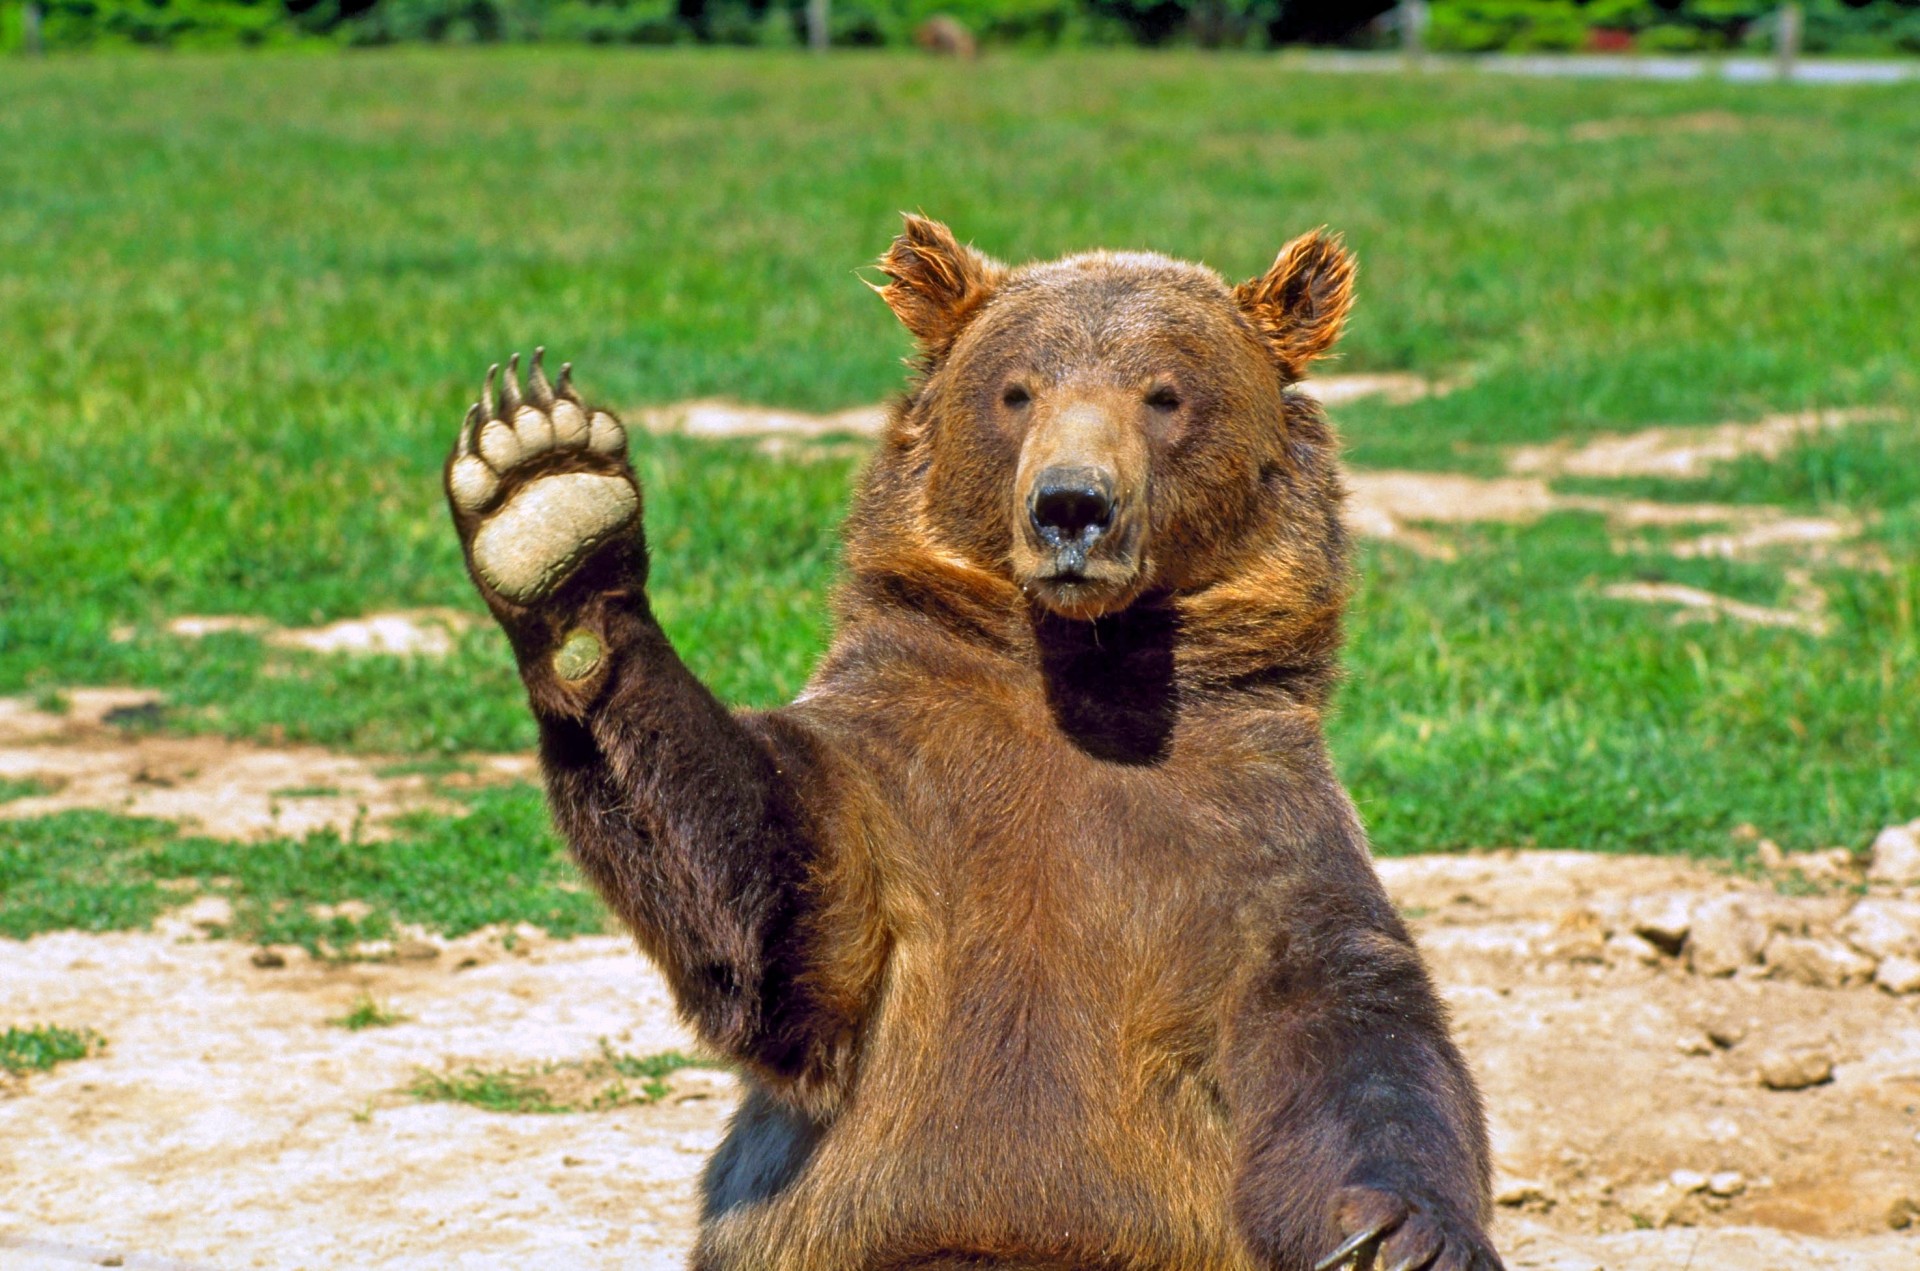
(1044, 1127)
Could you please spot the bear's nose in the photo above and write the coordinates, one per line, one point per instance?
(1071, 505)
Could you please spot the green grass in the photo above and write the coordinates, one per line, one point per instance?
(368, 1013)
(26, 788)
(24, 1050)
(248, 298)
(500, 863)
(590, 1085)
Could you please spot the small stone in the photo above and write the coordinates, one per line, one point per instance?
(1771, 857)
(1515, 1193)
(1697, 1044)
(579, 657)
(1898, 975)
(1727, 1183)
(571, 1161)
(1688, 1180)
(416, 951)
(1896, 855)
(1727, 1033)
(1903, 1213)
(268, 959)
(1835, 865)
(1725, 936)
(1662, 921)
(1796, 1069)
(1622, 948)
(1884, 927)
(1823, 964)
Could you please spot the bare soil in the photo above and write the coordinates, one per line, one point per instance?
(229, 1124)
(212, 786)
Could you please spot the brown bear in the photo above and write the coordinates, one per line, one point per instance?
(1039, 924)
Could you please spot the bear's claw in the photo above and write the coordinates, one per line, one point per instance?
(538, 482)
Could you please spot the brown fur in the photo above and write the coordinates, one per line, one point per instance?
(1040, 922)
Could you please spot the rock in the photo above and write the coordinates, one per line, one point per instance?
(1688, 1180)
(209, 912)
(1771, 857)
(1896, 855)
(1725, 935)
(1728, 1033)
(268, 959)
(1517, 1193)
(1727, 1183)
(1824, 964)
(1835, 865)
(1903, 1213)
(1796, 1069)
(1898, 975)
(1884, 927)
(1622, 949)
(1662, 921)
(416, 951)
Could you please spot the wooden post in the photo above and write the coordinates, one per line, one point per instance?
(817, 33)
(1413, 28)
(30, 29)
(1786, 41)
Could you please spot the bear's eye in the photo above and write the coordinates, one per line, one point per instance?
(1016, 396)
(1164, 400)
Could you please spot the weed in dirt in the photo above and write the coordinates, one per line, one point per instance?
(11, 789)
(433, 766)
(589, 1085)
(368, 1013)
(500, 863)
(306, 792)
(37, 1049)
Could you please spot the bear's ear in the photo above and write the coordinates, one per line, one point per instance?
(937, 284)
(1299, 305)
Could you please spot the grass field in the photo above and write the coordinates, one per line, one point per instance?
(246, 299)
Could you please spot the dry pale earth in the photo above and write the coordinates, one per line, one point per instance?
(228, 1124)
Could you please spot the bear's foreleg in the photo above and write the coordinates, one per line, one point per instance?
(1360, 1137)
(691, 821)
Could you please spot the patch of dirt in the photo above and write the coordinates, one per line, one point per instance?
(212, 786)
(228, 1124)
(1695, 605)
(399, 633)
(1679, 453)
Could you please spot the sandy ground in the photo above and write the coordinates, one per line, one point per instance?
(210, 785)
(228, 1124)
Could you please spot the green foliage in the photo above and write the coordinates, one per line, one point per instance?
(368, 1013)
(24, 1050)
(589, 1085)
(1482, 26)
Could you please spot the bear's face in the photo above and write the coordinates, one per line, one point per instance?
(1097, 427)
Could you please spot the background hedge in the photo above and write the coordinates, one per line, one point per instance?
(1832, 26)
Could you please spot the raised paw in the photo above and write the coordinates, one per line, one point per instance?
(538, 483)
(1382, 1231)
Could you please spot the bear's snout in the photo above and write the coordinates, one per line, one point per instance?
(1078, 505)
(1071, 507)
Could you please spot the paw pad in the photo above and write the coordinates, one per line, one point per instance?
(535, 470)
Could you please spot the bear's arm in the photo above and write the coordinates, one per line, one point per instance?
(1351, 1107)
(723, 841)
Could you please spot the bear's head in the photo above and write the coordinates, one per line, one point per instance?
(1090, 432)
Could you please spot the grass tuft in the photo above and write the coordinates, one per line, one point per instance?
(590, 1085)
(368, 1013)
(24, 1050)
